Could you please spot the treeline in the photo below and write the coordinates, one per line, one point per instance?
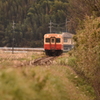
(32, 18)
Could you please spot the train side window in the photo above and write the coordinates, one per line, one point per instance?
(47, 39)
(58, 40)
(65, 39)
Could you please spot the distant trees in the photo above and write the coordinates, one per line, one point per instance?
(39, 15)
(12, 10)
(32, 18)
(79, 9)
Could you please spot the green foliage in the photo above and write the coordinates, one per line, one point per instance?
(62, 61)
(39, 83)
(28, 84)
(87, 51)
(72, 61)
(82, 84)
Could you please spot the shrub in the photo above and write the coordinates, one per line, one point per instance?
(71, 61)
(87, 51)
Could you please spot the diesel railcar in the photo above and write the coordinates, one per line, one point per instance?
(53, 44)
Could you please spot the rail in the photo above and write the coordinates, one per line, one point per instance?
(21, 49)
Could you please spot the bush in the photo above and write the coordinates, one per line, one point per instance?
(71, 61)
(87, 51)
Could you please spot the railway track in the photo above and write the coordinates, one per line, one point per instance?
(44, 60)
(19, 49)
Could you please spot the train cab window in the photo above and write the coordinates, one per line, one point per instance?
(58, 40)
(47, 39)
(53, 40)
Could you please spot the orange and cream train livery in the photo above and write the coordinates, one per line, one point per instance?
(55, 44)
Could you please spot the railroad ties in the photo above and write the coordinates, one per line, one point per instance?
(43, 60)
(39, 61)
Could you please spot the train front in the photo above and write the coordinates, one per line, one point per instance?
(53, 44)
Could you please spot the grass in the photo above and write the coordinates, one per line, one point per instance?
(79, 79)
(81, 84)
(53, 82)
(27, 84)
(71, 61)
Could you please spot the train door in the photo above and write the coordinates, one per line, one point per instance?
(52, 43)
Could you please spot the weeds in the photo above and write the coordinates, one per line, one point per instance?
(62, 61)
(82, 84)
(38, 82)
(71, 61)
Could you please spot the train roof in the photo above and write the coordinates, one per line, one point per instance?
(52, 34)
(67, 34)
(64, 34)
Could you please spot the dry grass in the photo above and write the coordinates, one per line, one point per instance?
(17, 59)
(37, 82)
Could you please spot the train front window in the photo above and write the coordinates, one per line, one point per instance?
(58, 40)
(47, 39)
(53, 40)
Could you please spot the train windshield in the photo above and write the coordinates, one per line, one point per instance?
(47, 39)
(58, 40)
(53, 40)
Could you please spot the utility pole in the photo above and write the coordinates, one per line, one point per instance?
(66, 24)
(50, 26)
(13, 37)
(57, 26)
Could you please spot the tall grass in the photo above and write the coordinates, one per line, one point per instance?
(31, 84)
(53, 82)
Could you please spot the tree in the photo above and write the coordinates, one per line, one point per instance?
(87, 51)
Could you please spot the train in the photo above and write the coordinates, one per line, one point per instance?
(55, 44)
